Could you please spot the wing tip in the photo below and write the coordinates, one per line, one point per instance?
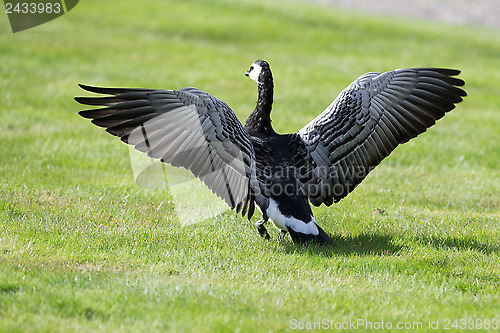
(88, 114)
(93, 89)
(111, 91)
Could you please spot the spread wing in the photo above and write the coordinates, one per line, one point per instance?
(367, 121)
(187, 128)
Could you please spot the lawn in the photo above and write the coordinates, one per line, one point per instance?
(83, 248)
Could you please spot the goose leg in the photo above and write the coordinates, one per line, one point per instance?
(261, 229)
(282, 234)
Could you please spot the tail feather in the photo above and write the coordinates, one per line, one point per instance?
(320, 239)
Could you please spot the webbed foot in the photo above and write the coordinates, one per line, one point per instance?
(261, 229)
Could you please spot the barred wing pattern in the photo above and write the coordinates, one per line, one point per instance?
(186, 128)
(367, 121)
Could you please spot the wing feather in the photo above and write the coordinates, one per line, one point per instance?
(367, 121)
(187, 128)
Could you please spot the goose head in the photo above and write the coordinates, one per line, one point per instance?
(260, 72)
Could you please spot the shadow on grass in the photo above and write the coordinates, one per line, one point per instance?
(9, 289)
(384, 245)
(363, 244)
(461, 244)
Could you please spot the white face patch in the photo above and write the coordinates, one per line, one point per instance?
(254, 72)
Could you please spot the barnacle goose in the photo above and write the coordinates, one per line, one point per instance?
(280, 173)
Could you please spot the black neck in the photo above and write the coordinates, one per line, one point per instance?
(260, 119)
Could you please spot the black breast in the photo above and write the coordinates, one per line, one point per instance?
(277, 158)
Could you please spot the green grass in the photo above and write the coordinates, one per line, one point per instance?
(82, 248)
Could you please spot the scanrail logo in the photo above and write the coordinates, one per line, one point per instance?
(31, 13)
